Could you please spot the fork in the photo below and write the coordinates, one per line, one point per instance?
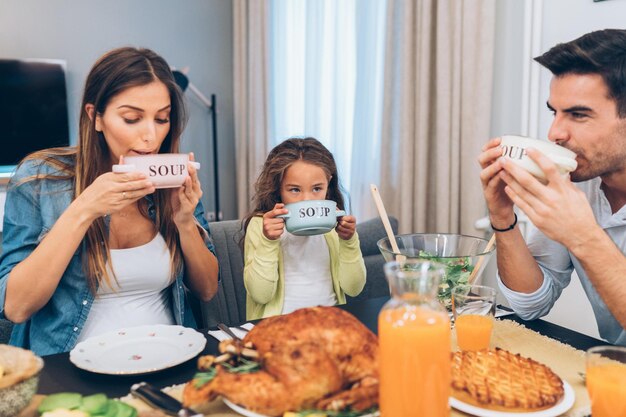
(229, 332)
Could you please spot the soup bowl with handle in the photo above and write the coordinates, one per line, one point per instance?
(311, 217)
(164, 170)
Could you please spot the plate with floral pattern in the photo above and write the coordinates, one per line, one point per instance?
(138, 350)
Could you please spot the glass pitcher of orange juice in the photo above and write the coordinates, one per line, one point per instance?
(414, 339)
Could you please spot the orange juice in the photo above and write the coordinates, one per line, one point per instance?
(414, 362)
(473, 331)
(606, 384)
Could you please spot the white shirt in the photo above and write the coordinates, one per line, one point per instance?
(308, 281)
(143, 295)
(557, 264)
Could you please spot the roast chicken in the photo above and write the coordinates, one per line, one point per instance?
(314, 358)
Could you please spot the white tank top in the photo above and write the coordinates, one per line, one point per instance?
(143, 295)
(308, 281)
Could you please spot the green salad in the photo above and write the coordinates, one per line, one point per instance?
(457, 272)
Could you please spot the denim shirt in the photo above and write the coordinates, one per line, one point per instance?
(31, 210)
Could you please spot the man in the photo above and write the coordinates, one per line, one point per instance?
(581, 227)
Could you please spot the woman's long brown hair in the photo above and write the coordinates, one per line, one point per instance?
(115, 72)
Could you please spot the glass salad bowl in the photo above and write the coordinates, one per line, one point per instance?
(460, 255)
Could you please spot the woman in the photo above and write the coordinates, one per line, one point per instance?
(86, 250)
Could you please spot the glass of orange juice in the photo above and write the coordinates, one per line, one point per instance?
(474, 308)
(606, 380)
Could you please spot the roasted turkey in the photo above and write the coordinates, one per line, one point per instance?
(313, 358)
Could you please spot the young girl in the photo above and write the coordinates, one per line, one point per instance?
(284, 272)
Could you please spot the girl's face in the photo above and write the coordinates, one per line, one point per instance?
(136, 121)
(303, 181)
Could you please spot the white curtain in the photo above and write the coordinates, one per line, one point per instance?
(327, 83)
(398, 90)
(437, 105)
(251, 94)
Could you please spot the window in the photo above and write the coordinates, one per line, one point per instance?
(326, 82)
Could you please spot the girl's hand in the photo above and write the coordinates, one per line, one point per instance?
(346, 226)
(273, 227)
(186, 198)
(111, 192)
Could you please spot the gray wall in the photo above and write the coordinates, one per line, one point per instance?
(506, 108)
(582, 16)
(190, 33)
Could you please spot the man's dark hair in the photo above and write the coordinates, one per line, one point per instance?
(602, 52)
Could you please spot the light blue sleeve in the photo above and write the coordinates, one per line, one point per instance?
(23, 226)
(199, 215)
(555, 264)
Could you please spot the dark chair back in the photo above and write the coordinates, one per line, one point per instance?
(229, 304)
(370, 232)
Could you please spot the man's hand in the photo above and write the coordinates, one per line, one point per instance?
(556, 208)
(498, 202)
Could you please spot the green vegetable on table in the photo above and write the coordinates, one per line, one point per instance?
(96, 405)
(457, 272)
(244, 366)
(200, 379)
(67, 400)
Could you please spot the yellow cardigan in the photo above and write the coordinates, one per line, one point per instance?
(264, 276)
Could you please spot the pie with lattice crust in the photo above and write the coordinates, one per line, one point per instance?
(500, 380)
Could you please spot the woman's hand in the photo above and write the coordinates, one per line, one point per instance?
(346, 226)
(186, 198)
(273, 227)
(111, 192)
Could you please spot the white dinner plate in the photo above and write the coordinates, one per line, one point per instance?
(556, 410)
(138, 350)
(248, 413)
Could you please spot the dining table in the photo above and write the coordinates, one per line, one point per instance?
(61, 375)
